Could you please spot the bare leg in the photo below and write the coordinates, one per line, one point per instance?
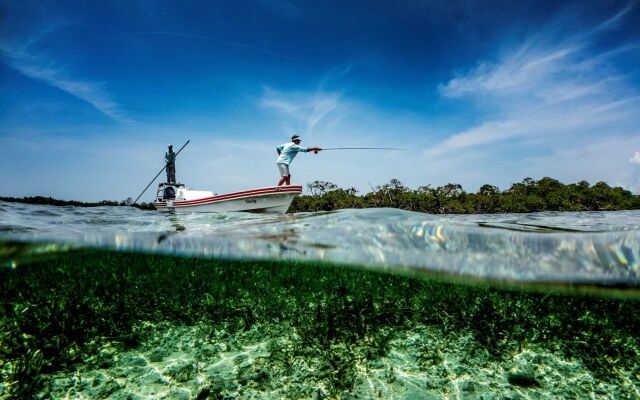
(288, 180)
(282, 180)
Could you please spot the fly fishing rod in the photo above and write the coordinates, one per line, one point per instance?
(361, 148)
(156, 177)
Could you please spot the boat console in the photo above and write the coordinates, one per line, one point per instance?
(179, 192)
(168, 191)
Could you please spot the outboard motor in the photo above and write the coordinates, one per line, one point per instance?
(169, 193)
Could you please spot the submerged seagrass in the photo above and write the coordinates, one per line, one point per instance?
(82, 321)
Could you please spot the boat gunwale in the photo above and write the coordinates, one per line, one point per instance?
(232, 196)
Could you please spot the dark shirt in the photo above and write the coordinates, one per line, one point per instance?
(170, 156)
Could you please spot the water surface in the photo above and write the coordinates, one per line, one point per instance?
(596, 248)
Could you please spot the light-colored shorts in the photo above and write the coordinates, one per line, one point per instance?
(284, 169)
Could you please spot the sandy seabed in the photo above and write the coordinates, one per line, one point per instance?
(193, 362)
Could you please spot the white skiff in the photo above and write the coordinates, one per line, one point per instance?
(177, 197)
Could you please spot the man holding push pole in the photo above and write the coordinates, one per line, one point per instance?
(286, 154)
(170, 158)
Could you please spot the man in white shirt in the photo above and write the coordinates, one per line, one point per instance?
(286, 154)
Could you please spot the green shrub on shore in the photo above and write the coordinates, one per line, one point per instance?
(546, 194)
(56, 313)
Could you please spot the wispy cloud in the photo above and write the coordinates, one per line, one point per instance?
(24, 58)
(280, 102)
(307, 110)
(516, 72)
(549, 86)
(303, 111)
(614, 21)
(220, 41)
(636, 158)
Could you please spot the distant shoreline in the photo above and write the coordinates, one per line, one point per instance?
(50, 201)
(546, 194)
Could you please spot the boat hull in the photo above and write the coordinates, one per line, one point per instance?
(270, 200)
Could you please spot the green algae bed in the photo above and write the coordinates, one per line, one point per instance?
(99, 324)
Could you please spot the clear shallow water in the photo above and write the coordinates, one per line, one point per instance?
(89, 310)
(599, 248)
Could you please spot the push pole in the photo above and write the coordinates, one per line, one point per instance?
(156, 177)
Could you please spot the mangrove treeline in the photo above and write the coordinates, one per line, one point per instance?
(546, 194)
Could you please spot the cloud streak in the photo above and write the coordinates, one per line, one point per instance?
(220, 41)
(614, 21)
(27, 61)
(545, 89)
(308, 110)
(304, 110)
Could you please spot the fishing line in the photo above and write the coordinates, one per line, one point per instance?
(361, 148)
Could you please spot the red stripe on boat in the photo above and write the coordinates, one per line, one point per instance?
(237, 195)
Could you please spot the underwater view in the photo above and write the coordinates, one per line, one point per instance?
(122, 303)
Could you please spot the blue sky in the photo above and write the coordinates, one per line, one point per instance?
(479, 91)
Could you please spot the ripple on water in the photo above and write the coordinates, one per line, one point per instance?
(570, 247)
